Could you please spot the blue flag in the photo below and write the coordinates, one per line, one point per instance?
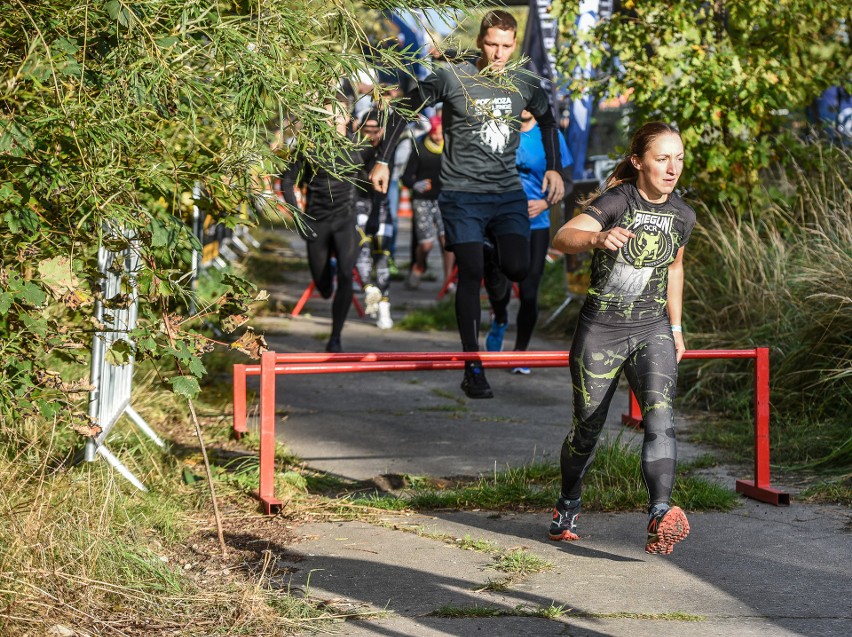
(540, 47)
(581, 107)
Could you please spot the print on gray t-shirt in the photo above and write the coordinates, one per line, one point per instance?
(481, 119)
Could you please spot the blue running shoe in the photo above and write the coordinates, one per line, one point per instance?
(494, 340)
(521, 370)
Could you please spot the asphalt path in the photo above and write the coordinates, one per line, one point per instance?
(759, 570)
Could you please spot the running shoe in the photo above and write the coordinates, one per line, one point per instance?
(372, 296)
(384, 322)
(474, 384)
(494, 340)
(564, 524)
(521, 370)
(334, 345)
(413, 280)
(666, 529)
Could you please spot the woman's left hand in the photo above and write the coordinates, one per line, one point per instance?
(535, 207)
(680, 346)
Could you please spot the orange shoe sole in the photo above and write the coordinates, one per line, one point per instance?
(568, 536)
(673, 528)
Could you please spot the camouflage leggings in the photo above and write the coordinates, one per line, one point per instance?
(599, 353)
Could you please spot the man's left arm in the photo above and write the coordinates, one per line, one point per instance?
(552, 184)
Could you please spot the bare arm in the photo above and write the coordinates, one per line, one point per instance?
(585, 233)
(674, 301)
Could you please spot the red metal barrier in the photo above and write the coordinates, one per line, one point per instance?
(309, 292)
(273, 364)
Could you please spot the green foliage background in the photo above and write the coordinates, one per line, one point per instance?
(110, 113)
(724, 72)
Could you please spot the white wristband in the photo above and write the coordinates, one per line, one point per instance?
(677, 328)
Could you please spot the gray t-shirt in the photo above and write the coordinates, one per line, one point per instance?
(481, 119)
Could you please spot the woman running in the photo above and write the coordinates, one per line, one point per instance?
(631, 321)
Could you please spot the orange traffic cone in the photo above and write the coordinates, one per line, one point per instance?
(404, 209)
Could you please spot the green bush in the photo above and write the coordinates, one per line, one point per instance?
(780, 279)
(720, 71)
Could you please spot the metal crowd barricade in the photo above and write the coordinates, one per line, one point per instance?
(113, 384)
(273, 364)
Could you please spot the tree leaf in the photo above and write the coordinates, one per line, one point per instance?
(119, 353)
(185, 386)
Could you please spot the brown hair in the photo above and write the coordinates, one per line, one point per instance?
(639, 143)
(497, 19)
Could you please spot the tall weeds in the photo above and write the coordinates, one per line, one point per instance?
(81, 549)
(781, 279)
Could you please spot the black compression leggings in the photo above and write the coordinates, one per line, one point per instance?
(511, 255)
(647, 356)
(335, 237)
(528, 291)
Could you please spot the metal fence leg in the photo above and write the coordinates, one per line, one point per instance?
(239, 401)
(116, 464)
(759, 488)
(558, 310)
(266, 492)
(144, 426)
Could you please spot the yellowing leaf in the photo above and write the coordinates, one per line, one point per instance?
(57, 276)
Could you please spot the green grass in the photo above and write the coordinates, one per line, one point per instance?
(833, 491)
(80, 545)
(778, 278)
(520, 562)
(556, 612)
(496, 585)
(439, 317)
(459, 612)
(445, 408)
(666, 617)
(614, 483)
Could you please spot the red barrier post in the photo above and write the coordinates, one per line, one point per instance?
(633, 417)
(239, 401)
(303, 299)
(452, 277)
(266, 493)
(759, 488)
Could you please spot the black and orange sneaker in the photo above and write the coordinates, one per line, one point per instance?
(564, 524)
(666, 529)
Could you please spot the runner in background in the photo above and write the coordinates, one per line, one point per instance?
(375, 230)
(329, 229)
(422, 176)
(531, 164)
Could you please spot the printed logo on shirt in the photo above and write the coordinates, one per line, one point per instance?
(654, 242)
(495, 130)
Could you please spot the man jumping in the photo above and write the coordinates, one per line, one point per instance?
(482, 202)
